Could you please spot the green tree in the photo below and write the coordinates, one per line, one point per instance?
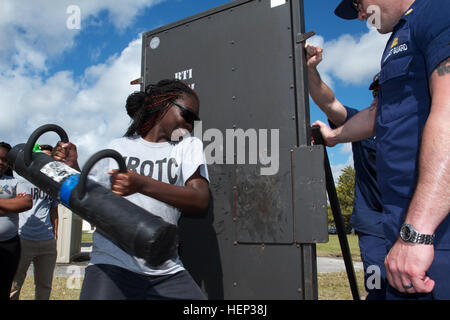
(345, 190)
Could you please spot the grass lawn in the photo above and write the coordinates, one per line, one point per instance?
(86, 237)
(60, 289)
(335, 286)
(333, 249)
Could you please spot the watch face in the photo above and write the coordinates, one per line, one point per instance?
(405, 232)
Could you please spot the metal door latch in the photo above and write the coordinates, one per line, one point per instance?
(302, 37)
(137, 81)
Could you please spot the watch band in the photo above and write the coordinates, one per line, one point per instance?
(424, 238)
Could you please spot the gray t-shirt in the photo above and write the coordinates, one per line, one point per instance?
(10, 187)
(166, 162)
(35, 224)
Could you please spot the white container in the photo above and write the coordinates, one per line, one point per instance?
(69, 235)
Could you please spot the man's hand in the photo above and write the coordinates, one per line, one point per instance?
(125, 184)
(328, 134)
(66, 152)
(406, 267)
(313, 55)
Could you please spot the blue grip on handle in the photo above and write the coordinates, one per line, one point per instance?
(67, 188)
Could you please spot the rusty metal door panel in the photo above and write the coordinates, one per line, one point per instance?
(264, 207)
(310, 197)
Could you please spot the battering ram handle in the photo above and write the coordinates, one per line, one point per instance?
(107, 153)
(35, 136)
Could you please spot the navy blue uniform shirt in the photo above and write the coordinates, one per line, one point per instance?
(367, 209)
(419, 42)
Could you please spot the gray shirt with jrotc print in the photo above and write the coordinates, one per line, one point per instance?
(35, 224)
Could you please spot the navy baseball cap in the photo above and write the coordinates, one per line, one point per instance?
(346, 10)
(376, 82)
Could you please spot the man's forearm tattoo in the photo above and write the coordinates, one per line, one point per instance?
(444, 68)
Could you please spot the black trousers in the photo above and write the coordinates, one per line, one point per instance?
(9, 260)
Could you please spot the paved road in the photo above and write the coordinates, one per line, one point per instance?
(328, 265)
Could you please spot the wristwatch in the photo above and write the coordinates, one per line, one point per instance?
(409, 234)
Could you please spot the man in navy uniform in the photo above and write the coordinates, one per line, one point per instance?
(413, 141)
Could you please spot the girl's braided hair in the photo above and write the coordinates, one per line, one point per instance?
(146, 108)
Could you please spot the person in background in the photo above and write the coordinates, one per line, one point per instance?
(367, 208)
(38, 229)
(13, 200)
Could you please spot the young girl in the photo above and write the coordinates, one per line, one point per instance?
(165, 176)
(13, 199)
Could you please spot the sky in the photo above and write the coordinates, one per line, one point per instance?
(70, 62)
